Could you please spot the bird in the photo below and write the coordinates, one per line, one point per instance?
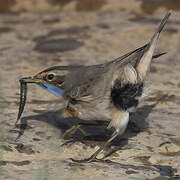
(99, 92)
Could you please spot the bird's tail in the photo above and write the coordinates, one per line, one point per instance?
(143, 65)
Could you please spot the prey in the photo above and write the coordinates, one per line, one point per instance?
(103, 92)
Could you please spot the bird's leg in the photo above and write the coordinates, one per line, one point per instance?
(73, 129)
(94, 155)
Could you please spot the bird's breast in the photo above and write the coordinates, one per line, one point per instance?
(125, 96)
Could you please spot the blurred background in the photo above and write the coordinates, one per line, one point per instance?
(138, 6)
(36, 34)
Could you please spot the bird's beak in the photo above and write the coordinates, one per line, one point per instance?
(31, 80)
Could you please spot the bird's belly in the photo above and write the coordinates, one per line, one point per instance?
(90, 111)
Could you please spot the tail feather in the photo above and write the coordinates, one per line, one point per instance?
(161, 26)
(145, 61)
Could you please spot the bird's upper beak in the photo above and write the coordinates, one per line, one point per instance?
(31, 80)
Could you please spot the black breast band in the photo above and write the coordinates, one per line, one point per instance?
(125, 96)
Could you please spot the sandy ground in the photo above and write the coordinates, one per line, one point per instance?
(31, 42)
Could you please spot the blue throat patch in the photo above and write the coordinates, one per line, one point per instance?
(52, 89)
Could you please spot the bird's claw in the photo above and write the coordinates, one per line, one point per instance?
(88, 160)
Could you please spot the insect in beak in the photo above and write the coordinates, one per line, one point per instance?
(23, 95)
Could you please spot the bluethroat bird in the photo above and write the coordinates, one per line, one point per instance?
(100, 92)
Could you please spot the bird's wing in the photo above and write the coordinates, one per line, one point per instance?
(85, 83)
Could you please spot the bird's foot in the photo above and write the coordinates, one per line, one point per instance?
(88, 160)
(73, 130)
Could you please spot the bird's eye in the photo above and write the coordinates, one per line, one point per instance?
(50, 77)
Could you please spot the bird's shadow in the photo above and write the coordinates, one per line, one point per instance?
(96, 134)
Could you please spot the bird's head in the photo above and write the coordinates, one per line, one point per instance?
(52, 79)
